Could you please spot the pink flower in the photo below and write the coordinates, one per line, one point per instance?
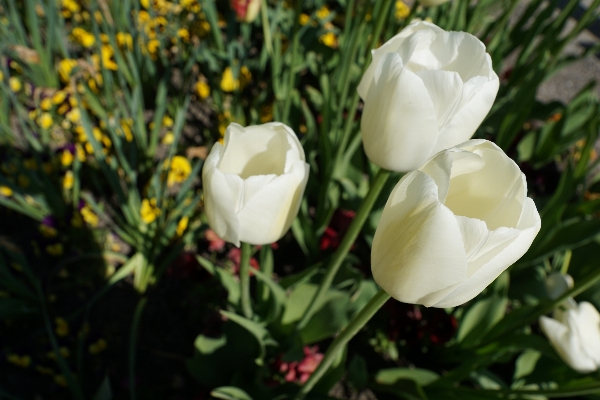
(215, 243)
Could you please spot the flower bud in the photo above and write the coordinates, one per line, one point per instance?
(451, 227)
(246, 10)
(254, 182)
(575, 335)
(426, 90)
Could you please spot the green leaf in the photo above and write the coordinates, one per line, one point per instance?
(277, 297)
(208, 345)
(104, 392)
(480, 318)
(258, 330)
(421, 376)
(230, 393)
(525, 364)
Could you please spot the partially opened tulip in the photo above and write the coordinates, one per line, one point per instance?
(426, 90)
(575, 334)
(451, 227)
(254, 182)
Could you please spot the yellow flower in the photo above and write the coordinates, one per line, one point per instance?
(153, 46)
(329, 39)
(149, 210)
(202, 89)
(266, 113)
(85, 38)
(59, 97)
(46, 104)
(5, 191)
(184, 34)
(68, 180)
(45, 120)
(74, 115)
(62, 327)
(182, 225)
(168, 138)
(304, 19)
(107, 53)
(14, 83)
(47, 231)
(97, 347)
(19, 361)
(44, 370)
(228, 82)
(71, 5)
(179, 170)
(60, 380)
(64, 352)
(126, 125)
(402, 10)
(125, 40)
(89, 216)
(323, 12)
(145, 4)
(65, 67)
(54, 249)
(1, 76)
(66, 158)
(167, 121)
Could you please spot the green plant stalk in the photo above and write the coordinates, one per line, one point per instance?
(343, 338)
(292, 76)
(137, 317)
(349, 238)
(245, 280)
(266, 27)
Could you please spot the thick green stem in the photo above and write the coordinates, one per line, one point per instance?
(292, 76)
(245, 280)
(340, 254)
(266, 27)
(343, 338)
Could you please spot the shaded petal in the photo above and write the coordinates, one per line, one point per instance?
(567, 345)
(417, 251)
(269, 212)
(398, 125)
(445, 90)
(222, 195)
(587, 327)
(494, 194)
(477, 99)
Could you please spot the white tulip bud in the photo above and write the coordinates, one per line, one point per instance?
(426, 90)
(557, 284)
(254, 182)
(575, 335)
(451, 227)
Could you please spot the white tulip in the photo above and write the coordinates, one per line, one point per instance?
(254, 182)
(451, 227)
(426, 90)
(557, 284)
(575, 334)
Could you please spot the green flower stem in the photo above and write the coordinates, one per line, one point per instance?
(343, 338)
(340, 254)
(245, 280)
(266, 27)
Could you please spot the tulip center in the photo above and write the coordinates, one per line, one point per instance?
(256, 153)
(493, 192)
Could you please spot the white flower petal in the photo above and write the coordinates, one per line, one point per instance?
(445, 89)
(418, 251)
(398, 102)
